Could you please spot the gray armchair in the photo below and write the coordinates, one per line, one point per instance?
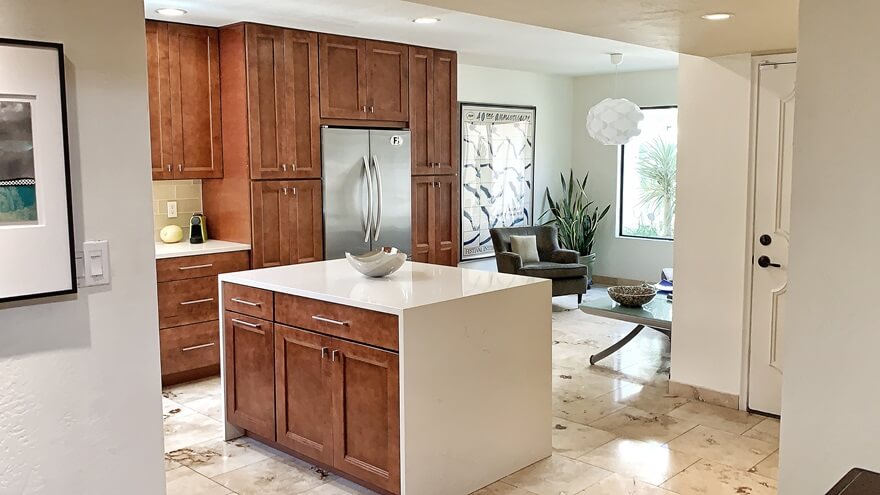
(559, 265)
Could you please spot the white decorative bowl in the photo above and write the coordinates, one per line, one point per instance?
(378, 263)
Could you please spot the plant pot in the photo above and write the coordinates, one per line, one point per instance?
(588, 260)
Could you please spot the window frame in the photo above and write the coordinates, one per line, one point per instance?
(621, 174)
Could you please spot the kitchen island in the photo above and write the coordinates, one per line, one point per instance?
(433, 381)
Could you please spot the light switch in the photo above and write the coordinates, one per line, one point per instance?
(96, 263)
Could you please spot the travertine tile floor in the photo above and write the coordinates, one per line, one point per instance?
(615, 432)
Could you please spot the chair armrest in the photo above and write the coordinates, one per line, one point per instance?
(508, 262)
(564, 256)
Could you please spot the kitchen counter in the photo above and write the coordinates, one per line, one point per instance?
(184, 248)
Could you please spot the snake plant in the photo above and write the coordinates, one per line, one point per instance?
(573, 216)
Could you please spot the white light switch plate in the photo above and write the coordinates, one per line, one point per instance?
(93, 264)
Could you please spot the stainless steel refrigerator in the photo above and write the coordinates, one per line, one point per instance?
(366, 190)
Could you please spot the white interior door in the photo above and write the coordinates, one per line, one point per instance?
(773, 160)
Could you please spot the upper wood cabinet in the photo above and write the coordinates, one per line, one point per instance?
(287, 222)
(184, 88)
(433, 111)
(270, 100)
(435, 231)
(363, 79)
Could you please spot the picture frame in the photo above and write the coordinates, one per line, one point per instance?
(37, 257)
(497, 172)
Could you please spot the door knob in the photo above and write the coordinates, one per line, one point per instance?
(764, 262)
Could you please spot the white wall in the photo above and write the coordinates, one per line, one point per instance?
(710, 224)
(638, 259)
(830, 402)
(79, 376)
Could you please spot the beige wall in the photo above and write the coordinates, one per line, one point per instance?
(638, 259)
(80, 406)
(714, 99)
(830, 404)
(187, 193)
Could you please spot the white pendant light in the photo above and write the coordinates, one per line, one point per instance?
(614, 121)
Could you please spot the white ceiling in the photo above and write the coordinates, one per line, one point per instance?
(479, 40)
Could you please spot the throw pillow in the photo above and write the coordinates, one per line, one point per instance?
(526, 246)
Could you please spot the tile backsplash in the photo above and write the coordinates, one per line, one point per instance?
(187, 193)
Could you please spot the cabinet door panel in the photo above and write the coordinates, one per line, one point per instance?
(195, 101)
(387, 81)
(265, 74)
(250, 383)
(445, 113)
(305, 221)
(343, 77)
(159, 84)
(422, 231)
(366, 414)
(302, 135)
(445, 220)
(270, 207)
(303, 392)
(421, 104)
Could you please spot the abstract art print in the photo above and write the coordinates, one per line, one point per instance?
(497, 173)
(18, 199)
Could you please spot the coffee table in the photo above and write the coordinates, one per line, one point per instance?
(657, 315)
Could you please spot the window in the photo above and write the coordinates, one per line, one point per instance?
(647, 177)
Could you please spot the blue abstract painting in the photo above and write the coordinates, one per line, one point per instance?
(18, 194)
(497, 176)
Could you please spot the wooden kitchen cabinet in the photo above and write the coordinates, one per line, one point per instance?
(287, 222)
(363, 79)
(183, 72)
(433, 111)
(250, 386)
(435, 229)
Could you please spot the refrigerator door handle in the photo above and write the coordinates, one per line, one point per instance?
(377, 219)
(368, 215)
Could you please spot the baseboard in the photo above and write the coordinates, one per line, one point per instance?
(603, 280)
(706, 395)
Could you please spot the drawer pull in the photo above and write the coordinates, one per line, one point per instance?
(195, 267)
(329, 320)
(197, 301)
(253, 327)
(200, 346)
(246, 303)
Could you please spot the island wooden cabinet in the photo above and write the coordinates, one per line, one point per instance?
(363, 79)
(184, 88)
(250, 392)
(433, 111)
(435, 229)
(287, 222)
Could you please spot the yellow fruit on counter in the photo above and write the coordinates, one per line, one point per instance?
(171, 234)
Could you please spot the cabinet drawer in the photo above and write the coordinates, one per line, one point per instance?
(359, 325)
(182, 302)
(203, 265)
(189, 347)
(248, 300)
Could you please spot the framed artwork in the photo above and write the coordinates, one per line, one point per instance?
(497, 173)
(36, 222)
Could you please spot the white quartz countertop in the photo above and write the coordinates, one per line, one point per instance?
(414, 285)
(184, 248)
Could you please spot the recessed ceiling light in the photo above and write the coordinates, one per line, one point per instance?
(717, 16)
(426, 20)
(171, 12)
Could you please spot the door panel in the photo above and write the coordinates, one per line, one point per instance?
(195, 101)
(305, 221)
(387, 71)
(270, 224)
(422, 231)
(344, 152)
(250, 387)
(303, 392)
(445, 113)
(366, 414)
(266, 100)
(343, 77)
(302, 139)
(421, 104)
(159, 81)
(445, 220)
(773, 162)
(390, 156)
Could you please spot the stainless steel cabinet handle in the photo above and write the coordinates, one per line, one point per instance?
(246, 303)
(285, 190)
(180, 167)
(377, 219)
(284, 167)
(324, 352)
(334, 354)
(293, 166)
(195, 267)
(364, 108)
(251, 327)
(371, 109)
(368, 215)
(294, 191)
(169, 167)
(200, 346)
(330, 320)
(197, 301)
